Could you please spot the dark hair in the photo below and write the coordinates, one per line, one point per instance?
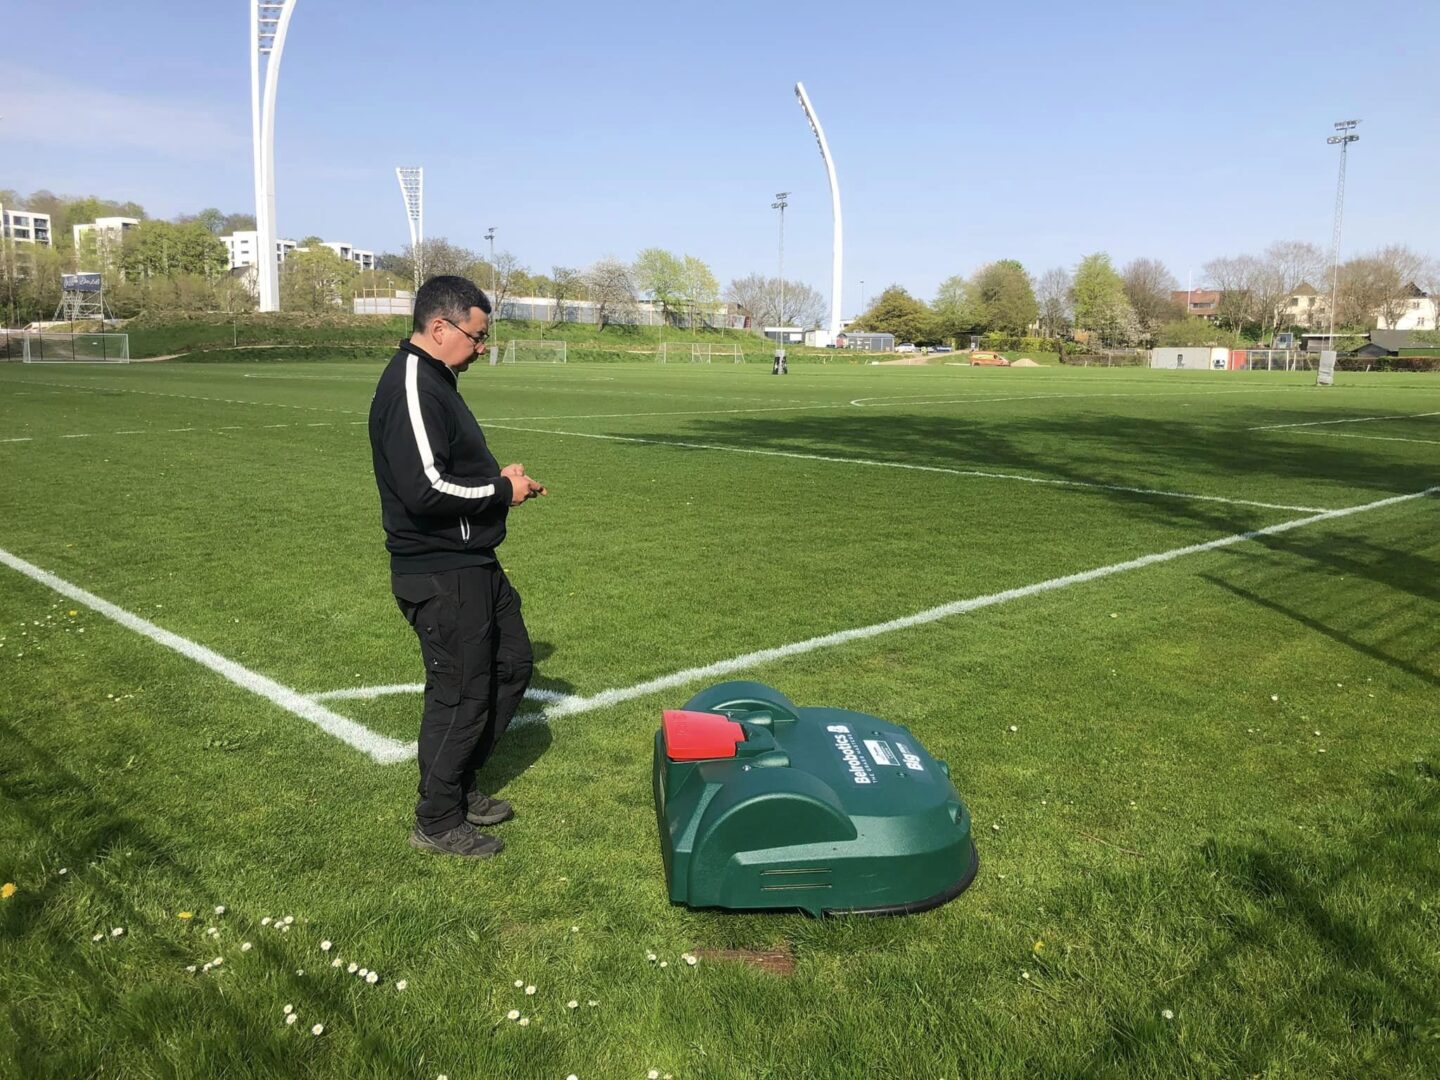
(448, 297)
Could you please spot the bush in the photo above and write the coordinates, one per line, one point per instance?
(997, 342)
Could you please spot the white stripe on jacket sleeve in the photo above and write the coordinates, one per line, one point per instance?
(422, 439)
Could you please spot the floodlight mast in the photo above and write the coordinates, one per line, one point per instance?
(837, 251)
(269, 22)
(1346, 135)
(412, 190)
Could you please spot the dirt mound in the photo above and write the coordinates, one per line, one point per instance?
(1025, 361)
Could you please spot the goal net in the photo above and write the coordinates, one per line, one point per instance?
(534, 352)
(46, 347)
(699, 352)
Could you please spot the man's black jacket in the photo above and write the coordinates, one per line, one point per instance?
(442, 499)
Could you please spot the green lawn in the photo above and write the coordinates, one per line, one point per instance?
(1211, 847)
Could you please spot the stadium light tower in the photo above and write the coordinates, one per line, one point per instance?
(1343, 137)
(269, 20)
(490, 236)
(780, 203)
(412, 190)
(837, 250)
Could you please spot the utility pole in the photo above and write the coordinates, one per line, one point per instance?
(1343, 137)
(780, 203)
(490, 236)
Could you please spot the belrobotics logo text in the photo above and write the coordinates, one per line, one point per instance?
(850, 753)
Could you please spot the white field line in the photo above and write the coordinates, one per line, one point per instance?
(381, 749)
(368, 693)
(1154, 492)
(189, 397)
(1349, 420)
(889, 402)
(1375, 438)
(572, 704)
(202, 430)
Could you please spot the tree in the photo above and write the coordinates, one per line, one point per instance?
(701, 288)
(759, 296)
(955, 311)
(661, 276)
(1397, 270)
(508, 274)
(237, 223)
(1245, 290)
(159, 249)
(896, 312)
(316, 280)
(1098, 296)
(565, 284)
(612, 292)
(1148, 287)
(438, 256)
(1053, 295)
(1004, 298)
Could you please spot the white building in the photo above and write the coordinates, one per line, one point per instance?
(243, 247)
(25, 226)
(105, 230)
(365, 260)
(1416, 311)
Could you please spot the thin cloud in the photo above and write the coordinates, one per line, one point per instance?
(39, 108)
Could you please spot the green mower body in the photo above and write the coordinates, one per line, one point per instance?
(764, 805)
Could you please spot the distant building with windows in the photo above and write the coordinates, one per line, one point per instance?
(25, 226)
(1200, 303)
(365, 260)
(1415, 309)
(243, 247)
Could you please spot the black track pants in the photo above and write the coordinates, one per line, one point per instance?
(477, 666)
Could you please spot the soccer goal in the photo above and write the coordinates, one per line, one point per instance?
(699, 352)
(46, 347)
(534, 352)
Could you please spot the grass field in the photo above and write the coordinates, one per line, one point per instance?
(1209, 847)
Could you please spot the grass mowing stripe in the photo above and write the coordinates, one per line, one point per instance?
(381, 749)
(569, 705)
(1348, 420)
(920, 468)
(606, 698)
(1373, 438)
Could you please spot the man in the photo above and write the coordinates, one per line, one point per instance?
(444, 500)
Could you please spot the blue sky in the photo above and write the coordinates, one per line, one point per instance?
(962, 132)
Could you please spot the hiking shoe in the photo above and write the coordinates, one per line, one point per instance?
(463, 840)
(483, 810)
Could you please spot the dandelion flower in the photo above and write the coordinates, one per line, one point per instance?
(212, 932)
(573, 929)
(190, 968)
(336, 962)
(1014, 727)
(1167, 1014)
(186, 915)
(325, 946)
(291, 1018)
(1274, 697)
(513, 1014)
(218, 961)
(207, 967)
(63, 870)
(219, 909)
(285, 929)
(246, 947)
(318, 1030)
(691, 959)
(363, 972)
(1025, 975)
(299, 971)
(995, 827)
(372, 978)
(529, 990)
(651, 957)
(592, 1003)
(266, 921)
(653, 1074)
(288, 1009)
(289, 919)
(519, 983)
(572, 1076)
(664, 963)
(98, 937)
(401, 985)
(572, 1004)
(354, 967)
(524, 1021)
(119, 931)
(7, 890)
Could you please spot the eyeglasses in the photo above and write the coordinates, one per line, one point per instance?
(475, 339)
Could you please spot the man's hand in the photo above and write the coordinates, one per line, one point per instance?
(522, 487)
(513, 471)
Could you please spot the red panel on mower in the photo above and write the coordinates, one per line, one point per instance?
(698, 736)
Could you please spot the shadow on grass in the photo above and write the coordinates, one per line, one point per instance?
(1085, 446)
(87, 991)
(1338, 920)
